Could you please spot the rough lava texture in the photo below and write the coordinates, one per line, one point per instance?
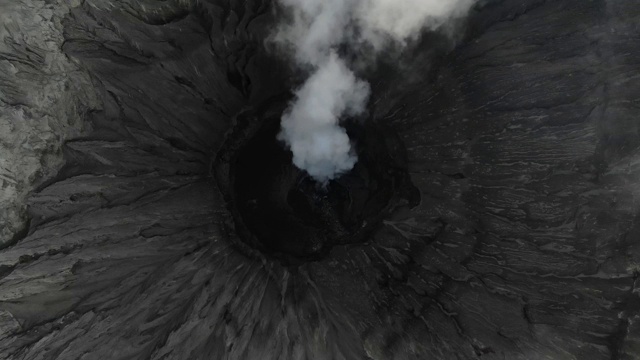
(44, 98)
(522, 141)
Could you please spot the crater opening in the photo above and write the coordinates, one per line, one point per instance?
(281, 211)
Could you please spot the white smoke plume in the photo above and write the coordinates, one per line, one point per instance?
(311, 125)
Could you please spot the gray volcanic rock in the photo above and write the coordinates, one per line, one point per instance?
(44, 98)
(520, 241)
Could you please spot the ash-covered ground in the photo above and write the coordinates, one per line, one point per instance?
(149, 212)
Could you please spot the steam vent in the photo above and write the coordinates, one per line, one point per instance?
(150, 207)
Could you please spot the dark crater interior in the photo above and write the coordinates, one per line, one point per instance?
(282, 211)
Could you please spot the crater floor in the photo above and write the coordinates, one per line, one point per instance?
(280, 211)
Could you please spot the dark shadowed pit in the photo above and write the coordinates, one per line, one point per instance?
(281, 211)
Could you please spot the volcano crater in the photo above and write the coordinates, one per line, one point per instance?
(283, 212)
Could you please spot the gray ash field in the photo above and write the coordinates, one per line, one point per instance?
(149, 211)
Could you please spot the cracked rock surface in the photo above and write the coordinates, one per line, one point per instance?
(43, 99)
(522, 142)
